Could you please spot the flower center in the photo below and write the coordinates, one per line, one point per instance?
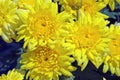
(86, 37)
(46, 58)
(74, 4)
(43, 25)
(2, 17)
(88, 6)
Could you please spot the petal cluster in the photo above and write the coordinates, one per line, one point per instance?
(8, 20)
(12, 75)
(111, 3)
(90, 38)
(112, 61)
(40, 24)
(45, 63)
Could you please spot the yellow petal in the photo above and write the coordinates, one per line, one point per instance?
(112, 69)
(105, 68)
(112, 4)
(65, 72)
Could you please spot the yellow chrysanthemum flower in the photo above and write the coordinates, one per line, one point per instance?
(8, 19)
(45, 63)
(70, 6)
(12, 75)
(40, 24)
(111, 3)
(90, 38)
(91, 6)
(112, 61)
